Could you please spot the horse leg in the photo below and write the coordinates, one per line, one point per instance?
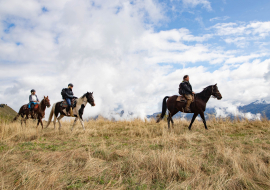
(172, 122)
(38, 122)
(204, 122)
(54, 121)
(192, 120)
(169, 119)
(41, 123)
(21, 120)
(59, 118)
(82, 123)
(172, 113)
(74, 123)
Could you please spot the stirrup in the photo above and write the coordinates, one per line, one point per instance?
(187, 110)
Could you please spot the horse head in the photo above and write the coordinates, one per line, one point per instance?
(215, 92)
(47, 101)
(90, 98)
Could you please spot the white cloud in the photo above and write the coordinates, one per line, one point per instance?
(111, 48)
(193, 3)
(219, 18)
(241, 34)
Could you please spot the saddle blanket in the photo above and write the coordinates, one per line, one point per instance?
(25, 107)
(183, 99)
(64, 103)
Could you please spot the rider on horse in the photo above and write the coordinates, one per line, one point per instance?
(185, 89)
(33, 100)
(68, 96)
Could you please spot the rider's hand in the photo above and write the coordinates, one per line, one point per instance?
(193, 92)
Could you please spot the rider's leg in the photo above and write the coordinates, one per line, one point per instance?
(189, 100)
(32, 109)
(69, 104)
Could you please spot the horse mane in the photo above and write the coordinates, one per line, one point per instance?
(203, 94)
(84, 95)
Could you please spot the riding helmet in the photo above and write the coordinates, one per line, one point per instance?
(33, 90)
(70, 84)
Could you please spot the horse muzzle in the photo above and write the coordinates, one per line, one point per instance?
(219, 98)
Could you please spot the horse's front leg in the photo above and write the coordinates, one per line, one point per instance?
(74, 123)
(204, 121)
(59, 118)
(192, 120)
(82, 123)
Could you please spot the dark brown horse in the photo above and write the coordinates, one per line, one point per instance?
(39, 111)
(197, 107)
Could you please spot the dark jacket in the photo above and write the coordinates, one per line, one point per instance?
(67, 93)
(185, 87)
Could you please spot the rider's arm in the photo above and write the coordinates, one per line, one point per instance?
(186, 88)
(68, 95)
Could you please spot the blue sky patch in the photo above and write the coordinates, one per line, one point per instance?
(44, 9)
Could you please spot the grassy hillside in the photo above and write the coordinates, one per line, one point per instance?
(136, 155)
(6, 113)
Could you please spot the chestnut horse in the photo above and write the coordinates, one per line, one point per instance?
(197, 107)
(39, 111)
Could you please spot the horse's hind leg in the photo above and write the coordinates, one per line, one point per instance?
(169, 120)
(204, 122)
(192, 120)
(59, 118)
(172, 123)
(54, 121)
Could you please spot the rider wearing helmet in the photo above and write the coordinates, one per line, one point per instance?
(68, 96)
(33, 100)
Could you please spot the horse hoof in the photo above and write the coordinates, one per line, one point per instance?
(189, 128)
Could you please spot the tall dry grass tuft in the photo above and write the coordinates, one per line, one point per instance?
(136, 155)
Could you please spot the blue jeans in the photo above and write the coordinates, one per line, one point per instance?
(30, 104)
(68, 101)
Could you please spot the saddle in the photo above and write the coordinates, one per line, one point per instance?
(64, 104)
(25, 107)
(183, 99)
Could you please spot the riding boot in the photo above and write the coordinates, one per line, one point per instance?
(33, 114)
(71, 112)
(32, 111)
(68, 108)
(187, 110)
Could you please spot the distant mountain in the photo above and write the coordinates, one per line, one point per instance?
(258, 107)
(6, 112)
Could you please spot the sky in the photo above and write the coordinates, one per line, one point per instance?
(132, 54)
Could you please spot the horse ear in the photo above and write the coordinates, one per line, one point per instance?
(48, 97)
(44, 97)
(216, 84)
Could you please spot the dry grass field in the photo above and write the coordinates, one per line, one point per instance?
(136, 155)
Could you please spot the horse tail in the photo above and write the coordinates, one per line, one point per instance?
(51, 115)
(20, 113)
(164, 108)
(16, 117)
